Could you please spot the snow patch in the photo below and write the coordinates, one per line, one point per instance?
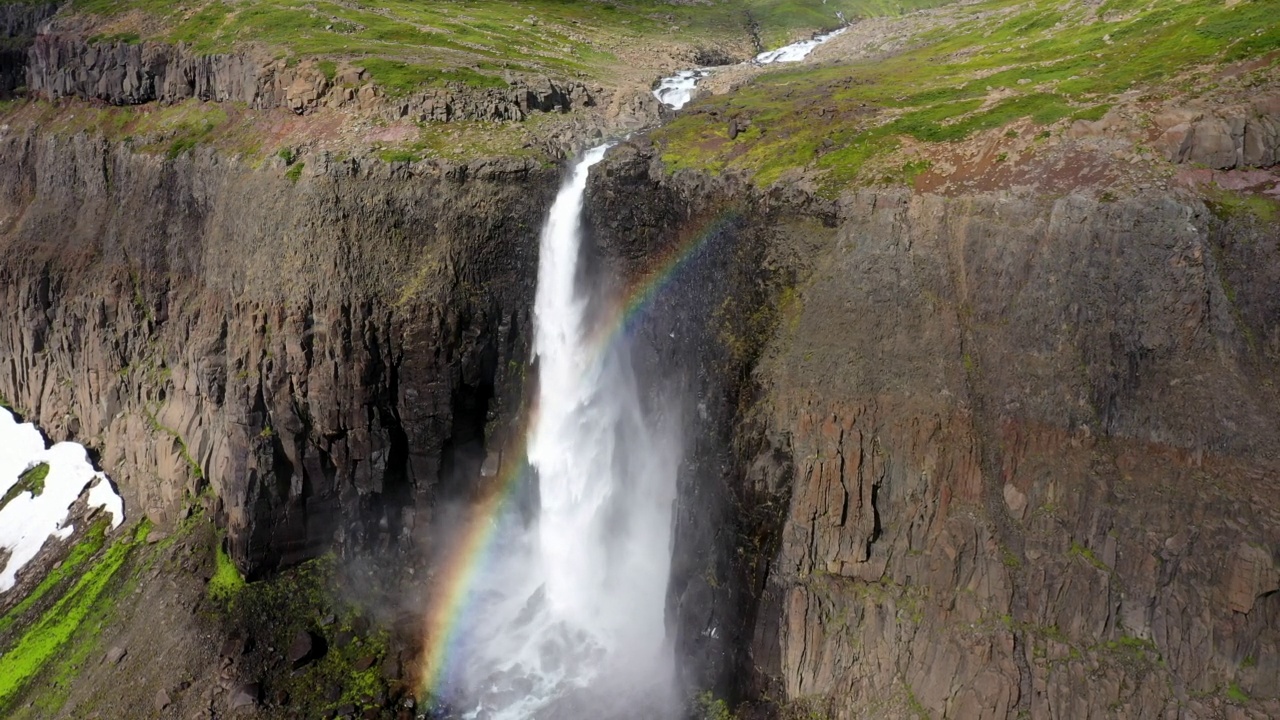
(27, 522)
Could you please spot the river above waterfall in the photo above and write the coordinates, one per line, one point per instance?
(675, 91)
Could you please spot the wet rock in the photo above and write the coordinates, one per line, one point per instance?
(305, 648)
(234, 646)
(245, 696)
(365, 662)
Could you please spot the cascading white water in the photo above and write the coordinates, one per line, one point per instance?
(573, 610)
(795, 52)
(675, 91)
(567, 619)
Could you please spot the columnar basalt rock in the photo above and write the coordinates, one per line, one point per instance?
(121, 73)
(323, 356)
(19, 24)
(998, 455)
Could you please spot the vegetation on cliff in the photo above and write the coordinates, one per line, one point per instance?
(405, 45)
(52, 630)
(979, 67)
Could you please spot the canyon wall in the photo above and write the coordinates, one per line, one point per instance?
(962, 456)
(984, 456)
(322, 355)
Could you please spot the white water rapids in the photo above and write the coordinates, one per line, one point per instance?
(677, 90)
(570, 617)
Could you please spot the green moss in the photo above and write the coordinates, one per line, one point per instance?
(124, 38)
(398, 155)
(709, 707)
(1080, 551)
(1010, 560)
(294, 172)
(49, 635)
(85, 549)
(178, 440)
(227, 582)
(1230, 204)
(400, 78)
(916, 708)
(301, 599)
(1236, 695)
(31, 480)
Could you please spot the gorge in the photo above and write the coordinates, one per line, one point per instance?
(930, 375)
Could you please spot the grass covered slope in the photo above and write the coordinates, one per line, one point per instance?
(972, 68)
(404, 43)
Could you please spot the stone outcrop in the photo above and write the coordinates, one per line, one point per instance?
(323, 357)
(19, 24)
(1242, 137)
(991, 456)
(120, 73)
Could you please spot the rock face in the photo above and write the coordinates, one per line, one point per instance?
(322, 356)
(18, 25)
(1227, 138)
(990, 456)
(67, 65)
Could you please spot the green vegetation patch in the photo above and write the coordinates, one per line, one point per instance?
(474, 41)
(709, 707)
(49, 635)
(998, 63)
(85, 549)
(1229, 204)
(227, 582)
(301, 599)
(32, 481)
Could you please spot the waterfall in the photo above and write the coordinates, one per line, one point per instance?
(569, 618)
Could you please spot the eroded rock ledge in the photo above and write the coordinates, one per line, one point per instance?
(119, 73)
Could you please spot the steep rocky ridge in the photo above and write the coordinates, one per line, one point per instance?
(124, 73)
(322, 355)
(1001, 454)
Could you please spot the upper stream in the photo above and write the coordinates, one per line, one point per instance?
(677, 90)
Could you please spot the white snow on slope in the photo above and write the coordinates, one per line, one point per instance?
(27, 522)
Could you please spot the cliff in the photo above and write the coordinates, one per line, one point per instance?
(979, 394)
(1000, 454)
(966, 456)
(126, 73)
(319, 355)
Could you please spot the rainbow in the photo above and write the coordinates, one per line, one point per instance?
(456, 577)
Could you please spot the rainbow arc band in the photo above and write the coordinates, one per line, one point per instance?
(470, 555)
